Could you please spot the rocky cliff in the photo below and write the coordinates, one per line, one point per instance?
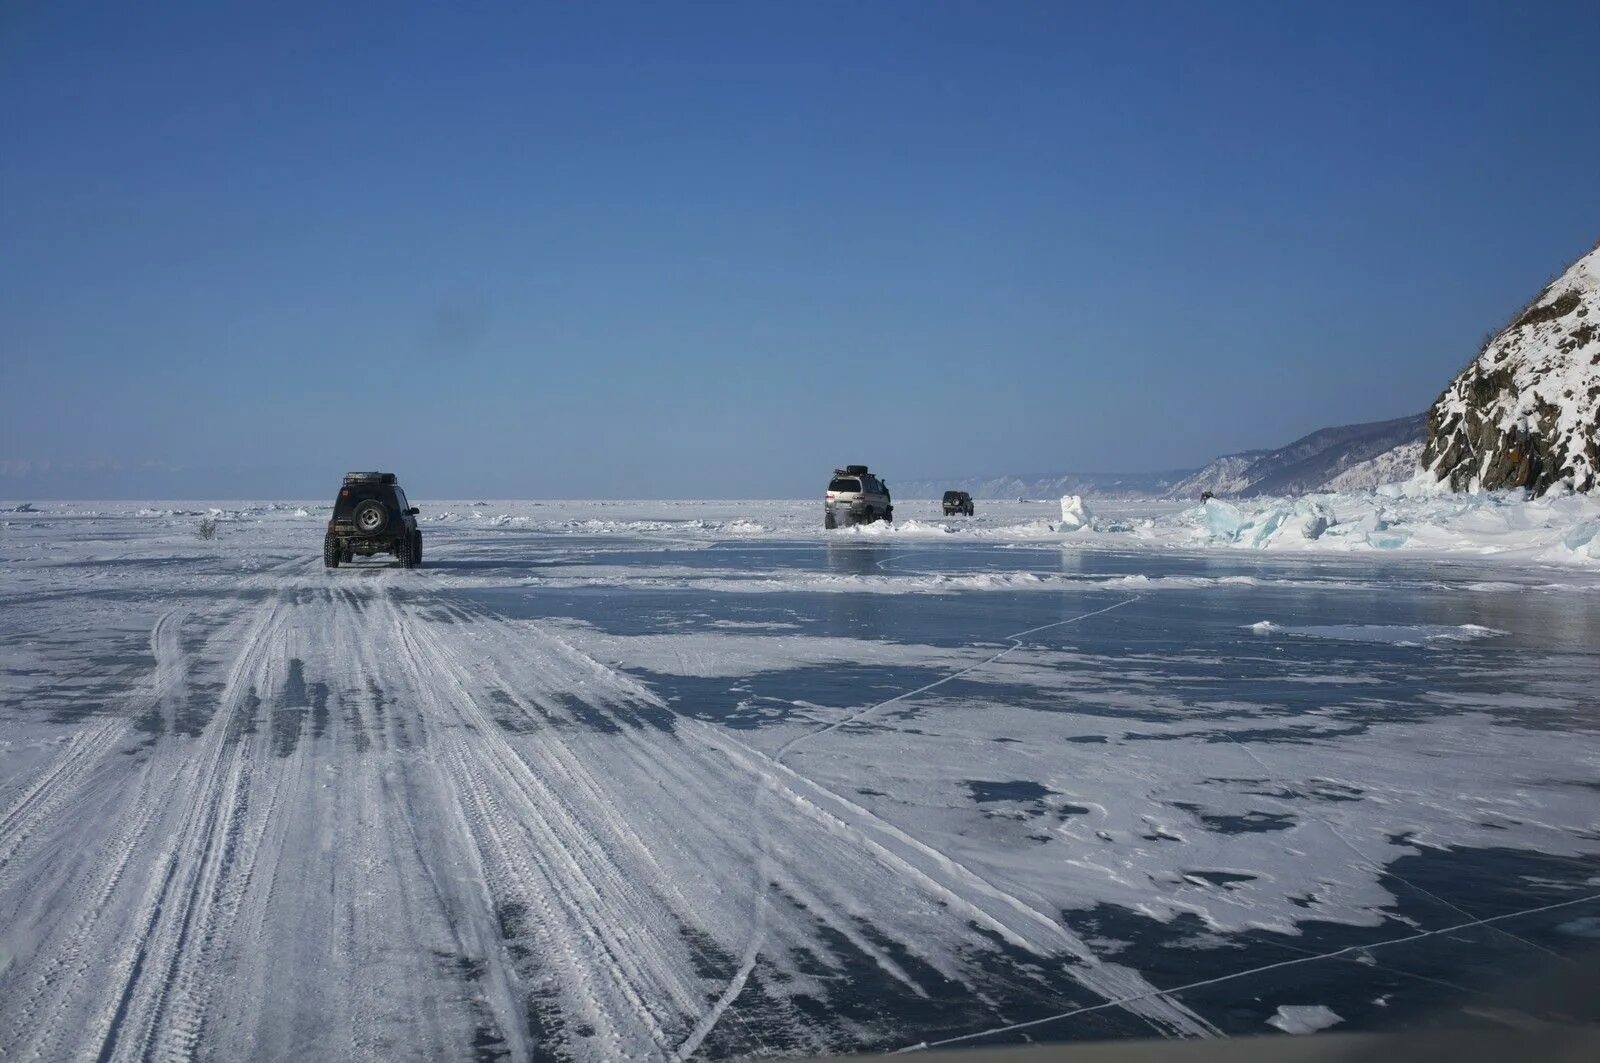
(1526, 411)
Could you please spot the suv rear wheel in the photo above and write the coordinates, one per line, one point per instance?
(370, 517)
(416, 548)
(402, 552)
(330, 553)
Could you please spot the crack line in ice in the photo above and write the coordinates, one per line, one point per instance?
(1016, 644)
(736, 984)
(1347, 950)
(1382, 870)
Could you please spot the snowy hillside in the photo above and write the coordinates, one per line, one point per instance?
(1526, 411)
(1392, 466)
(1227, 475)
(1310, 463)
(1335, 459)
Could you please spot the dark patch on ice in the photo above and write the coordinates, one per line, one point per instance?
(1317, 790)
(350, 702)
(1252, 822)
(245, 720)
(1014, 790)
(1225, 879)
(589, 716)
(294, 687)
(506, 711)
(152, 722)
(319, 709)
(488, 1039)
(289, 713)
(376, 697)
(1424, 981)
(1032, 799)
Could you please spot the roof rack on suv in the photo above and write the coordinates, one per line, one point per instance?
(851, 470)
(369, 478)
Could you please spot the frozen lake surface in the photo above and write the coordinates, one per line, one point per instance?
(667, 780)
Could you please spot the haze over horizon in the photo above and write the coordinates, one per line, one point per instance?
(642, 251)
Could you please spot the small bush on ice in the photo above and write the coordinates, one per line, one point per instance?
(207, 528)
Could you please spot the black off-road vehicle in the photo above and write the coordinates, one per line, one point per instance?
(957, 502)
(371, 516)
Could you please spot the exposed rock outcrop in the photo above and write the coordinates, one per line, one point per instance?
(1526, 411)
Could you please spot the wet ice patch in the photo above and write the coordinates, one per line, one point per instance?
(731, 581)
(1304, 1018)
(707, 654)
(1586, 927)
(1393, 634)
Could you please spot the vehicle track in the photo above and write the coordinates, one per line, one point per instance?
(161, 1006)
(493, 844)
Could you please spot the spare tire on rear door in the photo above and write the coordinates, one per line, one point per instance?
(370, 516)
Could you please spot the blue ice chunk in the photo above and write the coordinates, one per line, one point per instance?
(1223, 520)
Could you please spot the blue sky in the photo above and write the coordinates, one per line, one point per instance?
(715, 249)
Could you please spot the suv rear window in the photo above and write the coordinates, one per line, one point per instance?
(354, 493)
(842, 484)
(952, 496)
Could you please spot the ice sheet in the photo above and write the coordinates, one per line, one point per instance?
(577, 788)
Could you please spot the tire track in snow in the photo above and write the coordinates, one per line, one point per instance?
(44, 799)
(636, 977)
(558, 852)
(805, 809)
(182, 913)
(607, 819)
(73, 956)
(84, 751)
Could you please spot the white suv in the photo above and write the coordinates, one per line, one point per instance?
(855, 496)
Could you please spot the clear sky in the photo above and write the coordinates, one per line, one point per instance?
(703, 249)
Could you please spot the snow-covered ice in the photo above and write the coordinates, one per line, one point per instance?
(1304, 1018)
(704, 780)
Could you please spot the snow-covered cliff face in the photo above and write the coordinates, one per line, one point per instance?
(1526, 411)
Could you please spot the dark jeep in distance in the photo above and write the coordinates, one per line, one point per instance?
(371, 516)
(957, 502)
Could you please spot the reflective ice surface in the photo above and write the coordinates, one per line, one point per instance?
(659, 787)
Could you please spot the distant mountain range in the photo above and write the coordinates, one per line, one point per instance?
(1049, 485)
(1343, 458)
(1312, 462)
(1525, 412)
